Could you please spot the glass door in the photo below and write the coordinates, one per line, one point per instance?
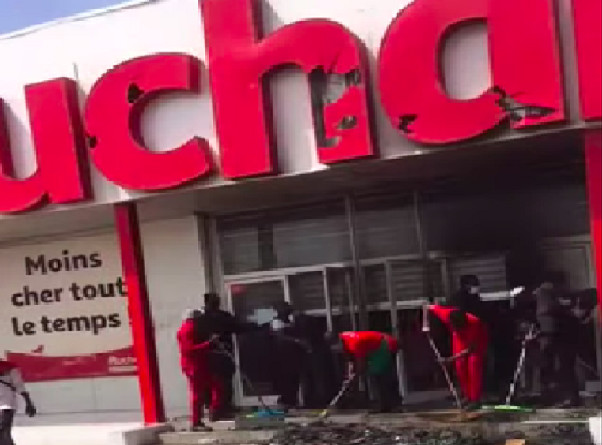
(409, 285)
(341, 299)
(253, 301)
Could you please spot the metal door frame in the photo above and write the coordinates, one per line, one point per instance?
(238, 385)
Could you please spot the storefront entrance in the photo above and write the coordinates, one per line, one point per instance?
(327, 294)
(372, 260)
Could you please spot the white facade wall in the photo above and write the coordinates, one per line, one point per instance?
(176, 282)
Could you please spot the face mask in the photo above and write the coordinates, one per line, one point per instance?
(278, 324)
(474, 290)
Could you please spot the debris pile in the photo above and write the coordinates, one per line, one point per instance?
(357, 434)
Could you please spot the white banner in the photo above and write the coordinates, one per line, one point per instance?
(63, 309)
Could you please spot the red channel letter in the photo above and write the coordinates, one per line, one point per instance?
(588, 30)
(239, 60)
(61, 175)
(113, 112)
(525, 63)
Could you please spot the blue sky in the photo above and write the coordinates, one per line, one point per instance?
(19, 14)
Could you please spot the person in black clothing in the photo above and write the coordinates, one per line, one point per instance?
(221, 364)
(291, 351)
(319, 382)
(557, 326)
(468, 298)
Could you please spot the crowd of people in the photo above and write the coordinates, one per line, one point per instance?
(304, 361)
(480, 341)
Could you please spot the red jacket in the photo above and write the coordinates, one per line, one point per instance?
(193, 357)
(362, 343)
(473, 335)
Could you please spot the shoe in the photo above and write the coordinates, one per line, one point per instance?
(472, 406)
(201, 428)
(568, 403)
(219, 416)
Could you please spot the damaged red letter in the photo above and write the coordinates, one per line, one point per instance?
(239, 59)
(113, 113)
(525, 64)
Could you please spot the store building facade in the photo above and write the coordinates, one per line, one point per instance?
(178, 142)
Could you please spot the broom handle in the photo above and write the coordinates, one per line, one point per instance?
(452, 387)
(519, 367)
(427, 330)
(346, 385)
(224, 351)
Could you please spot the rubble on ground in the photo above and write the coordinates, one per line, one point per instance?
(362, 434)
(358, 434)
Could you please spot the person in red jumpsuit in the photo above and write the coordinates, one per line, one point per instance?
(469, 348)
(373, 353)
(194, 360)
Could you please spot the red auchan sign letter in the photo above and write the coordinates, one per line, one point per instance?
(525, 67)
(238, 63)
(61, 175)
(113, 112)
(588, 31)
(526, 91)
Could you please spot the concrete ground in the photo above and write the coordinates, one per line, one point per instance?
(111, 428)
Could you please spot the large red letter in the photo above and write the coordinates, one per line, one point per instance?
(113, 113)
(61, 175)
(588, 30)
(525, 67)
(238, 63)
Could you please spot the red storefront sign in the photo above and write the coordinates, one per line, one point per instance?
(527, 92)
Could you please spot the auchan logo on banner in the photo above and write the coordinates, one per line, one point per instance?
(526, 74)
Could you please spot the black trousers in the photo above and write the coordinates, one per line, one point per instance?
(558, 382)
(287, 382)
(223, 368)
(387, 392)
(6, 426)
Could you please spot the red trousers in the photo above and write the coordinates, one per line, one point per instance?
(199, 383)
(469, 371)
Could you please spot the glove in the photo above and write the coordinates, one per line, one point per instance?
(30, 410)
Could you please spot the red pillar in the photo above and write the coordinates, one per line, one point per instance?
(593, 163)
(132, 261)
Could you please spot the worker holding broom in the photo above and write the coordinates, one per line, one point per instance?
(373, 354)
(194, 360)
(469, 350)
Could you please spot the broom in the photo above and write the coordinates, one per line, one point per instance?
(427, 330)
(346, 385)
(265, 410)
(507, 407)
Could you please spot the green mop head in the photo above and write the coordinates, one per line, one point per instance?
(509, 408)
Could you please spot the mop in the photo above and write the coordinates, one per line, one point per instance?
(265, 411)
(507, 407)
(427, 330)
